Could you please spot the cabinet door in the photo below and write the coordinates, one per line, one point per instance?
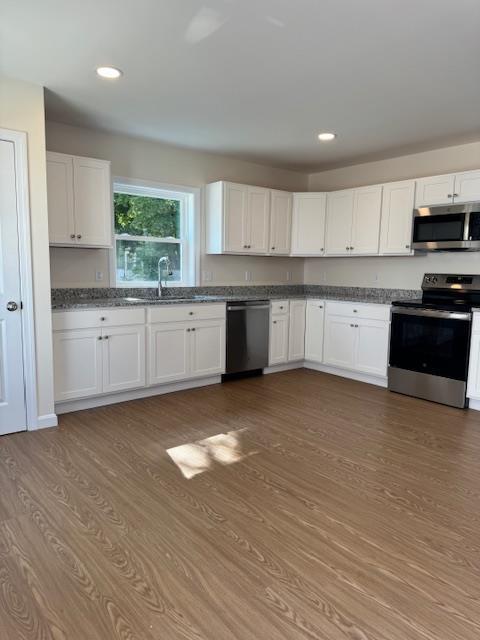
(434, 190)
(467, 186)
(308, 224)
(92, 190)
(339, 222)
(296, 330)
(397, 218)
(235, 217)
(123, 358)
(168, 352)
(278, 347)
(371, 353)
(280, 222)
(314, 321)
(367, 209)
(339, 343)
(207, 344)
(61, 226)
(77, 358)
(258, 219)
(473, 383)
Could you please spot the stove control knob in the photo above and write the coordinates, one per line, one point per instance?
(434, 279)
(428, 279)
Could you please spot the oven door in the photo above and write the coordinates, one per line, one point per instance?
(430, 341)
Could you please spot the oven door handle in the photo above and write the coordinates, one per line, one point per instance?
(433, 313)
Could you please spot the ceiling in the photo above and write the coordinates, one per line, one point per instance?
(257, 79)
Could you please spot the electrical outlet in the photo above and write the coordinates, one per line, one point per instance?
(248, 276)
(289, 276)
(324, 276)
(207, 276)
(98, 276)
(375, 277)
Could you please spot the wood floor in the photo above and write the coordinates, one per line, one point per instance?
(335, 510)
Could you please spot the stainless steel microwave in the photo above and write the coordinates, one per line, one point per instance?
(453, 227)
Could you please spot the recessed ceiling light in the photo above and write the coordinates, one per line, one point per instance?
(109, 72)
(326, 137)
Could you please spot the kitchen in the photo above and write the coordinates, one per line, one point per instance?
(240, 314)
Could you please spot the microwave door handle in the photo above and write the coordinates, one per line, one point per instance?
(466, 226)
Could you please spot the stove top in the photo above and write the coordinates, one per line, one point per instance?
(446, 292)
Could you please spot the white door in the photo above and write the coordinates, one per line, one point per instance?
(339, 344)
(12, 385)
(61, 225)
(235, 217)
(168, 352)
(339, 222)
(123, 358)
(92, 191)
(278, 347)
(296, 330)
(367, 210)
(371, 352)
(397, 218)
(308, 224)
(207, 348)
(77, 363)
(315, 316)
(258, 219)
(467, 186)
(435, 190)
(280, 222)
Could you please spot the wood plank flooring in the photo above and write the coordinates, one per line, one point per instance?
(334, 510)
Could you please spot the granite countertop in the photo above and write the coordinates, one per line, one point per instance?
(73, 299)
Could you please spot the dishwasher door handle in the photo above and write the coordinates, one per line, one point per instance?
(258, 306)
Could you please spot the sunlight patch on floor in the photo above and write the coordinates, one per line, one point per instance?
(196, 457)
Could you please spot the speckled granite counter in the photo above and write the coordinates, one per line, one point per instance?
(67, 299)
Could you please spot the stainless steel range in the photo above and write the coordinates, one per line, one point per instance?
(430, 339)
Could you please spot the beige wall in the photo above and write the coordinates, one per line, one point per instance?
(147, 160)
(22, 109)
(405, 272)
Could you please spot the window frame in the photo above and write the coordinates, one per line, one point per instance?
(189, 230)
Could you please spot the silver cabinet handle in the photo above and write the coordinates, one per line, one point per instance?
(12, 306)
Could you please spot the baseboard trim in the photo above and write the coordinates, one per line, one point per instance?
(45, 421)
(135, 394)
(277, 368)
(379, 381)
(474, 404)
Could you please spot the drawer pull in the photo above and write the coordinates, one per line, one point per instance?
(190, 313)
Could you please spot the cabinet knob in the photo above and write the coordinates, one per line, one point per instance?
(72, 236)
(100, 338)
(245, 246)
(322, 249)
(352, 325)
(103, 318)
(355, 311)
(79, 236)
(356, 326)
(190, 313)
(455, 195)
(320, 306)
(193, 329)
(450, 195)
(352, 248)
(407, 246)
(347, 248)
(188, 330)
(106, 337)
(281, 307)
(249, 246)
(273, 248)
(274, 322)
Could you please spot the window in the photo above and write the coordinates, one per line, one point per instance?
(153, 223)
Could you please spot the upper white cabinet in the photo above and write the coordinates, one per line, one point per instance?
(353, 221)
(258, 204)
(397, 218)
(447, 189)
(280, 222)
(308, 224)
(79, 201)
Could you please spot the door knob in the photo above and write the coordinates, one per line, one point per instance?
(12, 306)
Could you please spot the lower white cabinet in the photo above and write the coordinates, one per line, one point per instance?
(287, 331)
(371, 348)
(278, 347)
(473, 380)
(179, 351)
(296, 330)
(339, 342)
(89, 362)
(314, 323)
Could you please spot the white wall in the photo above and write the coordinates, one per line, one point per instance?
(22, 109)
(405, 272)
(147, 160)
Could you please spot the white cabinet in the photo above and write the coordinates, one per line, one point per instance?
(339, 222)
(168, 352)
(314, 323)
(123, 362)
(280, 222)
(296, 330)
(473, 380)
(77, 361)
(278, 345)
(237, 218)
(445, 189)
(357, 337)
(308, 224)
(397, 218)
(207, 348)
(79, 201)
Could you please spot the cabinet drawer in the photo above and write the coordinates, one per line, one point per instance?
(181, 312)
(89, 318)
(359, 310)
(279, 307)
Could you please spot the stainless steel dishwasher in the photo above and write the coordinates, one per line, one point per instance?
(247, 336)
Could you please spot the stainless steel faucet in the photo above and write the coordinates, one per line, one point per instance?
(165, 262)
